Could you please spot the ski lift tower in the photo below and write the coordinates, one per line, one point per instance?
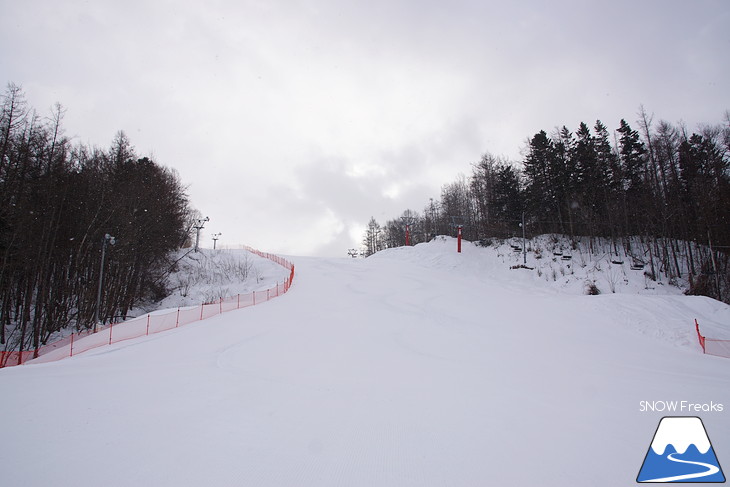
(199, 224)
(458, 222)
(408, 220)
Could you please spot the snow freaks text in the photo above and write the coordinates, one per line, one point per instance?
(680, 407)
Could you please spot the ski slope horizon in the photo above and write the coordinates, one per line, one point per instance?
(415, 366)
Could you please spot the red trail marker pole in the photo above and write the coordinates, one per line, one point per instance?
(458, 240)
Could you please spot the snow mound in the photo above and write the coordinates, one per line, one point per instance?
(548, 265)
(669, 318)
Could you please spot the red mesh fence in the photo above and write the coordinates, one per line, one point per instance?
(15, 358)
(713, 346)
(149, 323)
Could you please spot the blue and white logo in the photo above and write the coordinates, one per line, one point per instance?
(681, 452)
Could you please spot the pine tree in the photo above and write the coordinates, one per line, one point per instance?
(632, 153)
(607, 170)
(542, 172)
(508, 199)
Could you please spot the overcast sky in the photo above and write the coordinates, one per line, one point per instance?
(294, 122)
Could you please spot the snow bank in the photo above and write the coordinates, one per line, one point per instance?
(208, 275)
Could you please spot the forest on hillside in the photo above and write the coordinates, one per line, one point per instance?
(63, 205)
(661, 182)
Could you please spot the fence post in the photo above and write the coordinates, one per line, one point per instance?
(254, 298)
(111, 325)
(201, 311)
(700, 338)
(177, 318)
(148, 325)
(238, 301)
(267, 294)
(72, 345)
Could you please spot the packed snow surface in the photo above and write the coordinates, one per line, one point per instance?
(414, 367)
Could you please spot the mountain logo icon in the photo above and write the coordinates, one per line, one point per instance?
(681, 452)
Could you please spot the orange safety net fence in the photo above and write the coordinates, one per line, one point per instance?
(713, 346)
(149, 323)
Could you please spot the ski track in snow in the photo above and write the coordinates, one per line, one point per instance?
(415, 367)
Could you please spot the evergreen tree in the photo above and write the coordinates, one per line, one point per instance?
(632, 155)
(542, 171)
(607, 170)
(508, 199)
(588, 177)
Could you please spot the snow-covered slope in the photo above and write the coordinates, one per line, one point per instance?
(550, 276)
(208, 275)
(569, 266)
(417, 366)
